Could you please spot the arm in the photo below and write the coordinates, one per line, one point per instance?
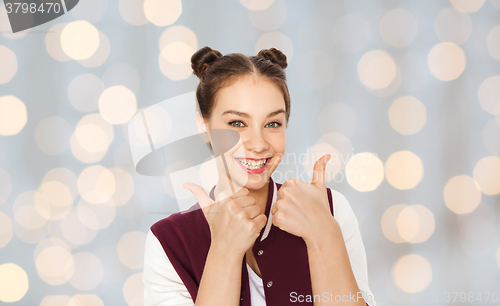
(339, 252)
(162, 284)
(219, 285)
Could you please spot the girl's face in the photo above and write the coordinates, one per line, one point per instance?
(255, 108)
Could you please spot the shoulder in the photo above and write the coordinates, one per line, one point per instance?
(179, 222)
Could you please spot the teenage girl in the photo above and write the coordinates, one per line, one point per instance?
(253, 241)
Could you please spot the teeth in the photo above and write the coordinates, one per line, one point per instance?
(253, 165)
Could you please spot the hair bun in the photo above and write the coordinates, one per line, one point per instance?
(275, 56)
(202, 59)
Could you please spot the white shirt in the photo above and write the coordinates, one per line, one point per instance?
(163, 286)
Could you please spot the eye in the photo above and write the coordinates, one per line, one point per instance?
(274, 124)
(237, 123)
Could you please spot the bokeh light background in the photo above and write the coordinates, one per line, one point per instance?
(405, 93)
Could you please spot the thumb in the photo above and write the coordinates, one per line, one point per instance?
(200, 194)
(318, 178)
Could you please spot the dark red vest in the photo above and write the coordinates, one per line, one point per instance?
(281, 257)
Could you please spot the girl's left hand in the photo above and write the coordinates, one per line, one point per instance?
(302, 208)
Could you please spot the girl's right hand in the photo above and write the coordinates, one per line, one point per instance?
(235, 220)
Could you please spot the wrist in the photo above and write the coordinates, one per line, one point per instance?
(329, 232)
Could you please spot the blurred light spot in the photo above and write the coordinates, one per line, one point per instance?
(84, 92)
(407, 115)
(117, 104)
(398, 28)
(376, 69)
(100, 55)
(408, 224)
(352, 33)
(491, 136)
(364, 171)
(487, 174)
(446, 61)
(427, 224)
(79, 39)
(13, 115)
(316, 69)
(489, 95)
(124, 186)
(132, 11)
(404, 170)
(55, 264)
(493, 41)
(338, 117)
(5, 186)
(13, 282)
(342, 145)
(390, 225)
(316, 152)
(65, 176)
(86, 300)
(131, 249)
(271, 18)
(8, 64)
(177, 52)
(122, 74)
(462, 194)
(412, 273)
(85, 151)
(96, 184)
(53, 43)
(96, 216)
(467, 5)
(133, 290)
(276, 40)
(74, 231)
(391, 88)
(25, 212)
(162, 12)
(90, 10)
(6, 231)
(6, 29)
(92, 138)
(178, 33)
(88, 271)
(53, 200)
(453, 25)
(175, 35)
(256, 5)
(52, 135)
(56, 300)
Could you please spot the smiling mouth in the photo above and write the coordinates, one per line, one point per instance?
(251, 165)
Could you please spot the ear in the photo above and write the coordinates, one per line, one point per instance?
(202, 127)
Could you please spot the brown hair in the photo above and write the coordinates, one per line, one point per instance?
(217, 71)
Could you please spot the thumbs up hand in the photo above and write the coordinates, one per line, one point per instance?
(302, 208)
(235, 220)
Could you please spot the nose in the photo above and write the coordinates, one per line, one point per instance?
(255, 140)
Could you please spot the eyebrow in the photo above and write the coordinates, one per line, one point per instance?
(246, 115)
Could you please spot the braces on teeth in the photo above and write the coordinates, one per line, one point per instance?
(252, 165)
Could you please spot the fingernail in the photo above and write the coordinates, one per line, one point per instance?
(183, 186)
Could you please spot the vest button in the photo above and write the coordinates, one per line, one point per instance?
(260, 252)
(269, 284)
